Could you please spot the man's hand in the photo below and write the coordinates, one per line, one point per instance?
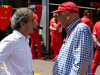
(55, 24)
(98, 48)
(96, 40)
(57, 28)
(33, 72)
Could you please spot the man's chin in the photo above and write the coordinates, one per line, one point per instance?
(62, 26)
(31, 32)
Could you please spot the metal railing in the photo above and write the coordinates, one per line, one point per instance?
(91, 8)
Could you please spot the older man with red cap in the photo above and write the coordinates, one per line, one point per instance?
(75, 57)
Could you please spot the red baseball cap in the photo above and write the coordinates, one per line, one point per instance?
(68, 7)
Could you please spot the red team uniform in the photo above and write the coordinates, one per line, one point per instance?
(56, 38)
(35, 38)
(96, 60)
(87, 21)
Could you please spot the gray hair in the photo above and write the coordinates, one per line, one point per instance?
(21, 15)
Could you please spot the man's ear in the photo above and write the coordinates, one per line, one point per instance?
(22, 24)
(68, 15)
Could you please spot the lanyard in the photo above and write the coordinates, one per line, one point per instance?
(71, 32)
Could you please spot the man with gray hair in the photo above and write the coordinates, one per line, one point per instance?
(15, 52)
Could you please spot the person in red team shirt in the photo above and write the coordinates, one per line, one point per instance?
(96, 38)
(35, 38)
(56, 36)
(85, 19)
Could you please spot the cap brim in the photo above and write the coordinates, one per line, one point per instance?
(56, 11)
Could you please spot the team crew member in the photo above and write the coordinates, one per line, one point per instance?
(85, 19)
(14, 49)
(51, 45)
(75, 56)
(56, 36)
(35, 38)
(96, 38)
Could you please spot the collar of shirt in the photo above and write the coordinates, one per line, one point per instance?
(19, 35)
(85, 17)
(69, 28)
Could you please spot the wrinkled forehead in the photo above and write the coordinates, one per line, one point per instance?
(62, 12)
